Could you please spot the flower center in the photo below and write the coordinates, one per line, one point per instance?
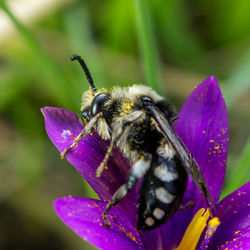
(196, 227)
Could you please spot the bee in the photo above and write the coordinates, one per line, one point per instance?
(140, 123)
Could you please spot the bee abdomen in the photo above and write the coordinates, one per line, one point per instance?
(161, 193)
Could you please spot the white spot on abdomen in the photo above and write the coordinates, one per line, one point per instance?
(158, 213)
(150, 221)
(140, 167)
(163, 195)
(66, 133)
(164, 174)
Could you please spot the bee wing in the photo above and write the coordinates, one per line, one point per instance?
(187, 159)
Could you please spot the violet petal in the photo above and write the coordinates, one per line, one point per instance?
(233, 212)
(203, 127)
(62, 127)
(83, 216)
(241, 241)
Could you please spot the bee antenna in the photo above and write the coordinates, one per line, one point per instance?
(85, 69)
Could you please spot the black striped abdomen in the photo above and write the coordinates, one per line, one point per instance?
(161, 192)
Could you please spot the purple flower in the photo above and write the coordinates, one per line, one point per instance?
(203, 127)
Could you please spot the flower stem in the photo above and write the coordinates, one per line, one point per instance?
(240, 174)
(238, 82)
(147, 44)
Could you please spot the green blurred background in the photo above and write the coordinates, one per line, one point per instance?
(171, 44)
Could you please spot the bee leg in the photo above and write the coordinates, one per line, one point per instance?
(101, 167)
(187, 205)
(127, 120)
(85, 131)
(74, 144)
(138, 170)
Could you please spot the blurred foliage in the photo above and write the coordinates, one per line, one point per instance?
(171, 44)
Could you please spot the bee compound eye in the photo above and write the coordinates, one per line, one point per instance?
(146, 100)
(98, 103)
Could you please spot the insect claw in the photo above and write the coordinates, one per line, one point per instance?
(106, 221)
(62, 155)
(187, 205)
(104, 214)
(99, 170)
(105, 218)
(66, 150)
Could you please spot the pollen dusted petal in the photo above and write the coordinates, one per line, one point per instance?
(163, 195)
(88, 155)
(233, 212)
(83, 216)
(202, 125)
